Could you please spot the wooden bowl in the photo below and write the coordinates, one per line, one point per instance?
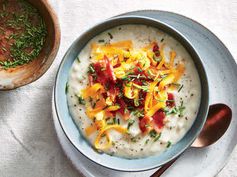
(21, 75)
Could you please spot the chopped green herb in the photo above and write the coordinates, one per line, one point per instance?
(155, 58)
(136, 102)
(139, 69)
(90, 99)
(128, 85)
(81, 100)
(109, 122)
(110, 35)
(181, 109)
(168, 144)
(180, 88)
(101, 40)
(147, 125)
(138, 113)
(146, 142)
(157, 137)
(103, 69)
(162, 40)
(152, 133)
(134, 139)
(176, 84)
(130, 123)
(91, 69)
(157, 52)
(103, 135)
(136, 76)
(170, 100)
(125, 110)
(93, 105)
(107, 86)
(120, 95)
(78, 59)
(144, 88)
(131, 108)
(4, 49)
(66, 88)
(175, 110)
(114, 120)
(163, 76)
(125, 78)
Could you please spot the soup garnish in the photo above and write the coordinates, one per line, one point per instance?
(23, 33)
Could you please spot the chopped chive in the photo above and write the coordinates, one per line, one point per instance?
(81, 100)
(146, 142)
(93, 105)
(136, 102)
(66, 88)
(155, 58)
(168, 144)
(78, 59)
(128, 85)
(110, 35)
(28, 36)
(147, 125)
(152, 133)
(157, 137)
(101, 40)
(135, 76)
(114, 120)
(180, 88)
(125, 110)
(139, 69)
(103, 69)
(4, 49)
(170, 100)
(130, 123)
(91, 69)
(164, 76)
(133, 139)
(138, 113)
(131, 108)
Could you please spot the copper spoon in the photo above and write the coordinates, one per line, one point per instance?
(218, 121)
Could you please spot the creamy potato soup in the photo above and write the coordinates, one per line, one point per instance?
(133, 91)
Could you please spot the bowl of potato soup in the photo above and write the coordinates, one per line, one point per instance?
(131, 93)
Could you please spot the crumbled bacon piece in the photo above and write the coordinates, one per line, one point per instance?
(123, 109)
(158, 119)
(156, 50)
(104, 72)
(144, 124)
(170, 102)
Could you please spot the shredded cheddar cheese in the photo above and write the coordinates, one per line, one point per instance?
(125, 76)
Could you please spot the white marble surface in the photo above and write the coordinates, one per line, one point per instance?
(28, 143)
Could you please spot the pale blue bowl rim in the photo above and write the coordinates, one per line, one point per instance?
(60, 88)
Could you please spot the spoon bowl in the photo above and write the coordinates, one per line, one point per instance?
(218, 121)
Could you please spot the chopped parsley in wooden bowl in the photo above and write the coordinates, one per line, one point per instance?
(29, 41)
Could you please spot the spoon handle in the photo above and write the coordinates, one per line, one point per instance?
(161, 170)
